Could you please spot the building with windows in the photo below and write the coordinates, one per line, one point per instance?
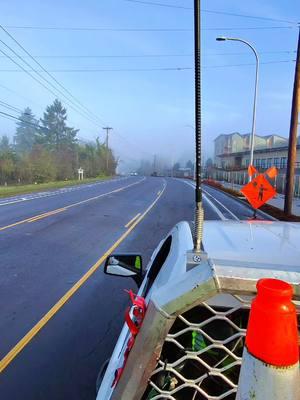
(232, 152)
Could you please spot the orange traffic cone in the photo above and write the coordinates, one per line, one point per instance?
(270, 366)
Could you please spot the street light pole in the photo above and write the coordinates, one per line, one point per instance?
(252, 139)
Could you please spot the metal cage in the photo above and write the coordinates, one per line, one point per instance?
(191, 342)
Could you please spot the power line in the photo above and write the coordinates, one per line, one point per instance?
(249, 64)
(65, 28)
(42, 69)
(106, 70)
(22, 120)
(152, 69)
(18, 94)
(157, 55)
(10, 107)
(82, 113)
(130, 143)
(152, 3)
(28, 72)
(58, 28)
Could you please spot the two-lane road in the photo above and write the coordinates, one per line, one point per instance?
(60, 315)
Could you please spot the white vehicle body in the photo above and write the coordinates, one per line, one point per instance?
(238, 253)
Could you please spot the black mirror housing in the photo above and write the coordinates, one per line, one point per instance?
(125, 265)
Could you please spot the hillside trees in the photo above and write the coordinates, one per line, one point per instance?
(49, 150)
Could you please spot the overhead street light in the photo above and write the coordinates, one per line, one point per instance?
(222, 39)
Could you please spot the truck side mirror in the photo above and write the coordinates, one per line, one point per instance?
(126, 265)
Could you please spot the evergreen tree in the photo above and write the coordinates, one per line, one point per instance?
(5, 147)
(176, 166)
(56, 134)
(190, 165)
(26, 132)
(7, 161)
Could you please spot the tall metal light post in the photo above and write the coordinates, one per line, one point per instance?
(252, 140)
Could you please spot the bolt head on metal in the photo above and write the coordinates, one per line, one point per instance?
(197, 258)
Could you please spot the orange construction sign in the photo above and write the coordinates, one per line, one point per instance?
(258, 191)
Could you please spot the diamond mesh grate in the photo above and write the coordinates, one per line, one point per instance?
(202, 353)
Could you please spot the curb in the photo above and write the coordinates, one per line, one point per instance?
(262, 213)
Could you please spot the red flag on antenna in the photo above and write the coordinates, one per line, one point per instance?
(252, 170)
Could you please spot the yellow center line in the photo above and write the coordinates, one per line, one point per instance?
(58, 210)
(48, 214)
(12, 354)
(132, 220)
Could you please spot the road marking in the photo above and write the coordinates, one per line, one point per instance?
(215, 208)
(12, 354)
(217, 201)
(132, 220)
(53, 192)
(48, 214)
(211, 204)
(58, 210)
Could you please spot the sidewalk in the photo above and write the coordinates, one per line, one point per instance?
(277, 201)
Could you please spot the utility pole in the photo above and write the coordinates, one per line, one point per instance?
(292, 153)
(107, 129)
(154, 163)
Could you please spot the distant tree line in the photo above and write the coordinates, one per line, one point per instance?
(48, 149)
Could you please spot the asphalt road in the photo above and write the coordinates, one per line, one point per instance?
(56, 330)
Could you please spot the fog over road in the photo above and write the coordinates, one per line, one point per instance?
(56, 328)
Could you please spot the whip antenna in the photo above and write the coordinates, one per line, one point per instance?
(199, 214)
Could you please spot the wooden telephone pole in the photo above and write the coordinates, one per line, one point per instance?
(292, 153)
(107, 129)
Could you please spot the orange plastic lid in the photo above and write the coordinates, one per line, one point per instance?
(272, 333)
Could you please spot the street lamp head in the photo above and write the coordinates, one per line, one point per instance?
(221, 39)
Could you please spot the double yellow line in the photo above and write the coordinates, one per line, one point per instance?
(132, 220)
(59, 210)
(46, 318)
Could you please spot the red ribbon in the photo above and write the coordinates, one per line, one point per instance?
(134, 324)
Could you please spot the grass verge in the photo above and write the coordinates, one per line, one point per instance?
(7, 191)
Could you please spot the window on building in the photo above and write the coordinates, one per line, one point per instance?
(263, 163)
(276, 162)
(258, 162)
(246, 162)
(283, 162)
(269, 162)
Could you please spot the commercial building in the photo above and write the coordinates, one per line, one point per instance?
(232, 151)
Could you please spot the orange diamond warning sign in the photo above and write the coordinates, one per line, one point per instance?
(258, 191)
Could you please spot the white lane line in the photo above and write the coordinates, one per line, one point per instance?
(51, 212)
(211, 204)
(222, 205)
(41, 195)
(215, 208)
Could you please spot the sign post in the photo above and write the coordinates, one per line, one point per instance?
(80, 174)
